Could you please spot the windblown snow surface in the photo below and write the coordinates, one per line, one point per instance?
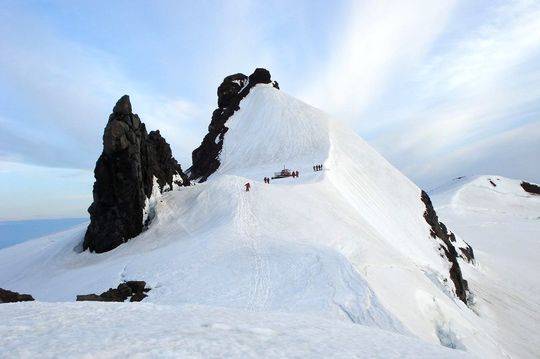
(335, 263)
(502, 223)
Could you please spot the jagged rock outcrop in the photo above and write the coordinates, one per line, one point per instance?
(231, 91)
(135, 290)
(7, 296)
(124, 176)
(162, 165)
(447, 247)
(531, 188)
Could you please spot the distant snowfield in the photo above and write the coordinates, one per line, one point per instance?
(332, 264)
(502, 223)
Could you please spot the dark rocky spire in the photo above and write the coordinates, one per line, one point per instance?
(124, 175)
(231, 91)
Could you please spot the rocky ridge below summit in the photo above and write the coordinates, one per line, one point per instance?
(232, 90)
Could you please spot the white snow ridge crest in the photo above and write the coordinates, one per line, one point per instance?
(290, 268)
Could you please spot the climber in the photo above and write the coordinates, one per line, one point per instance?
(248, 186)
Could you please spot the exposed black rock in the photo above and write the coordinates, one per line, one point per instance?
(162, 164)
(530, 187)
(231, 91)
(446, 246)
(124, 175)
(90, 298)
(7, 296)
(137, 297)
(468, 253)
(137, 286)
(134, 290)
(492, 183)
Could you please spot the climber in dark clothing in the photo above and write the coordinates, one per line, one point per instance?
(248, 186)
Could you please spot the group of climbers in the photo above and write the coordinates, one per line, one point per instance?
(317, 168)
(293, 174)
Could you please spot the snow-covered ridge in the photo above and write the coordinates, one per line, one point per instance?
(349, 243)
(273, 129)
(489, 193)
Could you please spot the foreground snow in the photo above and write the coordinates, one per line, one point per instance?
(502, 223)
(114, 330)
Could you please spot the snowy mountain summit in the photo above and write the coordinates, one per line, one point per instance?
(354, 242)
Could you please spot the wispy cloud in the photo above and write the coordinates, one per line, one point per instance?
(496, 154)
(425, 82)
(485, 84)
(379, 40)
(420, 83)
(69, 90)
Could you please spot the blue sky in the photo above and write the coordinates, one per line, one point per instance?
(440, 88)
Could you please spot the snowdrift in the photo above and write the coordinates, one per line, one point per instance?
(349, 243)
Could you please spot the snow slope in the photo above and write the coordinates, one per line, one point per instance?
(502, 222)
(119, 330)
(348, 244)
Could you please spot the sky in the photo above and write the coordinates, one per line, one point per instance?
(440, 88)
